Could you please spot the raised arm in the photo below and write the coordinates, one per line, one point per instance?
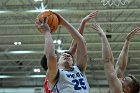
(79, 39)
(81, 64)
(73, 46)
(107, 56)
(122, 60)
(49, 52)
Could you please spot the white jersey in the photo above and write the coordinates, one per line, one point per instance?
(71, 81)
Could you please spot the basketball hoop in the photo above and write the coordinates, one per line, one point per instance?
(114, 2)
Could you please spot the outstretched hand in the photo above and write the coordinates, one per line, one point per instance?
(133, 33)
(61, 19)
(90, 16)
(44, 24)
(98, 28)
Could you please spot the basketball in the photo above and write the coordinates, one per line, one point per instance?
(53, 20)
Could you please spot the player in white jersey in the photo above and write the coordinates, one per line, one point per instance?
(72, 51)
(71, 81)
(63, 77)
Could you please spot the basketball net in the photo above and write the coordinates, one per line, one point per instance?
(114, 2)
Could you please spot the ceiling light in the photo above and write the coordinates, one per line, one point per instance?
(17, 43)
(36, 70)
(60, 51)
(39, 10)
(59, 41)
(28, 76)
(4, 76)
(54, 41)
(37, 76)
(20, 52)
(38, 0)
(23, 52)
(4, 11)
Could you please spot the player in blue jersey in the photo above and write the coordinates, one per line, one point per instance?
(118, 83)
(64, 77)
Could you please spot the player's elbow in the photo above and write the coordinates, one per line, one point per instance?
(108, 60)
(83, 40)
(51, 56)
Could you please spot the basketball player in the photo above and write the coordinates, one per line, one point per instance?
(118, 83)
(72, 48)
(63, 77)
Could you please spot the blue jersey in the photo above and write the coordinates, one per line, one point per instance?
(71, 81)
